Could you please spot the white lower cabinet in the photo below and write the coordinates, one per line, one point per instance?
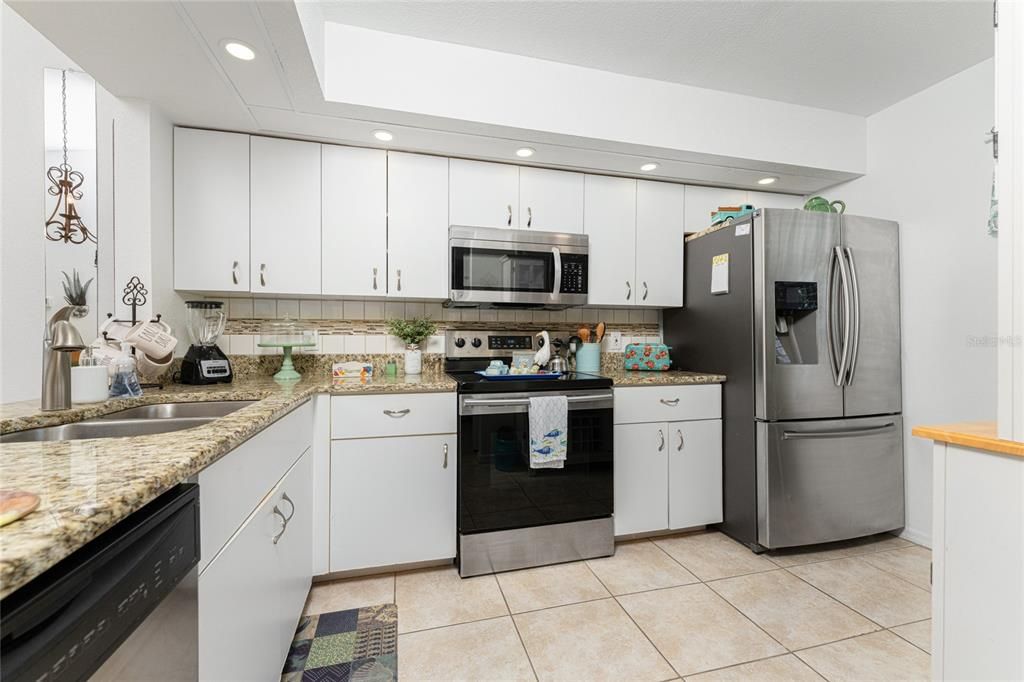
(392, 500)
(668, 474)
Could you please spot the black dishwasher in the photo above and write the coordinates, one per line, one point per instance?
(65, 623)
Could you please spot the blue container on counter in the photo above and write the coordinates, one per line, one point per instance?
(588, 358)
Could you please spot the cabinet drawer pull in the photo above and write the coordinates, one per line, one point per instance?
(375, 279)
(283, 527)
(263, 274)
(661, 440)
(399, 273)
(529, 217)
(629, 290)
(284, 496)
(645, 291)
(679, 432)
(397, 414)
(670, 402)
(509, 222)
(444, 465)
(234, 272)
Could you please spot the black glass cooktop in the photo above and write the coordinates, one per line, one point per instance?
(470, 382)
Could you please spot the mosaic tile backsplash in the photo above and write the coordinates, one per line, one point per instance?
(359, 327)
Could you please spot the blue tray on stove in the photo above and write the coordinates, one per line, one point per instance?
(513, 377)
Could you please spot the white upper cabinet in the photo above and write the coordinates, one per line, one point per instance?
(774, 200)
(211, 210)
(659, 244)
(354, 232)
(610, 210)
(285, 216)
(702, 201)
(417, 226)
(550, 200)
(483, 194)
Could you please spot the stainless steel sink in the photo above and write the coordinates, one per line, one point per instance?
(135, 421)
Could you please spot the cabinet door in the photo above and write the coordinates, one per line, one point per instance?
(294, 498)
(211, 210)
(610, 220)
(392, 501)
(695, 473)
(239, 605)
(285, 207)
(483, 194)
(702, 201)
(774, 200)
(355, 221)
(550, 200)
(641, 478)
(659, 244)
(417, 226)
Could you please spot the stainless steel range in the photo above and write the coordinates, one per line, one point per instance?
(510, 515)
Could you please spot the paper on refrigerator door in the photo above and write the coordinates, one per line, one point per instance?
(720, 274)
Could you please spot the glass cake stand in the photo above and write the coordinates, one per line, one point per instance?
(287, 334)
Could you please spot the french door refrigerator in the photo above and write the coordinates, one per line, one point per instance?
(801, 311)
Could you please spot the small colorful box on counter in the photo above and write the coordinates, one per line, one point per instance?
(647, 356)
(352, 370)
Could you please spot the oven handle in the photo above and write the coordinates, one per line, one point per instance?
(498, 402)
(558, 270)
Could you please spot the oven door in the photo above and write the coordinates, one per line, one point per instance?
(497, 488)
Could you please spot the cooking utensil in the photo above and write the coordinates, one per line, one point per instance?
(584, 334)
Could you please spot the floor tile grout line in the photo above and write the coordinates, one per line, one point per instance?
(752, 621)
(515, 625)
(893, 573)
(836, 600)
(905, 639)
(756, 660)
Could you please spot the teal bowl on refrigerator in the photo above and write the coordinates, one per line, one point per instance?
(588, 358)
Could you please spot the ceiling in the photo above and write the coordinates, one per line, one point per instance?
(856, 56)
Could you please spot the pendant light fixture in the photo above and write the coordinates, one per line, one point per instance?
(64, 224)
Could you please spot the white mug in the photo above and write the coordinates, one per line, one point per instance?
(115, 329)
(152, 368)
(152, 338)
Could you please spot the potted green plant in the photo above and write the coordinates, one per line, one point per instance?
(76, 293)
(412, 332)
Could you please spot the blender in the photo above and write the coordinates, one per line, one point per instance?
(205, 363)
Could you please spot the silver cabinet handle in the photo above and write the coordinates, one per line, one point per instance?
(679, 432)
(510, 215)
(284, 496)
(263, 274)
(661, 440)
(375, 279)
(399, 273)
(234, 272)
(670, 402)
(629, 290)
(397, 414)
(645, 291)
(284, 527)
(444, 465)
(529, 217)
(854, 350)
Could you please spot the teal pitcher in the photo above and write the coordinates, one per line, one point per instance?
(823, 205)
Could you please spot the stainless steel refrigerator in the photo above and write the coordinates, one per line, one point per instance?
(802, 311)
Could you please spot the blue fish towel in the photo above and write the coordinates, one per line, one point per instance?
(549, 417)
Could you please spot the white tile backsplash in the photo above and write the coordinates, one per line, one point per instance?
(354, 310)
(413, 309)
(264, 308)
(573, 314)
(240, 308)
(333, 344)
(636, 316)
(451, 315)
(488, 315)
(287, 308)
(393, 344)
(311, 310)
(375, 344)
(506, 316)
(469, 315)
(433, 310)
(435, 344)
(374, 310)
(394, 309)
(651, 316)
(618, 316)
(335, 310)
(355, 343)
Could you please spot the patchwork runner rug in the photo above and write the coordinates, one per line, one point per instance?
(358, 644)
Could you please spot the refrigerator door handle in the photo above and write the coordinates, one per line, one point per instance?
(855, 349)
(841, 433)
(844, 276)
(830, 332)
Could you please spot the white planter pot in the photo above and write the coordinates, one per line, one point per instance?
(413, 361)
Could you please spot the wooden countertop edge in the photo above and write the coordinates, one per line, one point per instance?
(977, 435)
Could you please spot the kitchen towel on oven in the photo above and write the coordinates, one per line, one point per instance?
(549, 417)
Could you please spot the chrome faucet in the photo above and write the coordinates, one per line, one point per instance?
(60, 341)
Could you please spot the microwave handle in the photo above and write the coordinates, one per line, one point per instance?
(558, 270)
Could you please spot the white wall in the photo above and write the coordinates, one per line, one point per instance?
(929, 169)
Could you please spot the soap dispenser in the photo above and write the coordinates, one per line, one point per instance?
(126, 379)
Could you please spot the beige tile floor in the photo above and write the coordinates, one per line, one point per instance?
(697, 606)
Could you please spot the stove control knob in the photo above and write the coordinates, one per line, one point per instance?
(477, 342)
(460, 342)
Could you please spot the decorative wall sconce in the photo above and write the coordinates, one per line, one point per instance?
(64, 223)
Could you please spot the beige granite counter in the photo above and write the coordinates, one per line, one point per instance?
(86, 486)
(625, 377)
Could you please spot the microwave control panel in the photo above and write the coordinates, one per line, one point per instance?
(574, 273)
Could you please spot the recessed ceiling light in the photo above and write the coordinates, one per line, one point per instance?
(766, 181)
(649, 167)
(239, 50)
(383, 135)
(525, 152)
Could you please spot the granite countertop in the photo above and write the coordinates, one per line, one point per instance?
(626, 377)
(86, 486)
(976, 435)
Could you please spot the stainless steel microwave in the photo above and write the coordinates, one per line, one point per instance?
(504, 268)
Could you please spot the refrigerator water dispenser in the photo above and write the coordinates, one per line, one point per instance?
(796, 319)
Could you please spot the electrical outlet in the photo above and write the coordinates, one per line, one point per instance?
(615, 342)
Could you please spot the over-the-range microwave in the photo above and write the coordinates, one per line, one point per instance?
(496, 268)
